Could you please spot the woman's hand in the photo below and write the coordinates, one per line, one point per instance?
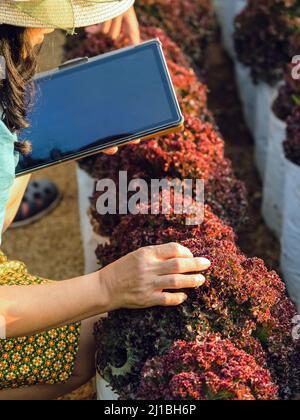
(139, 280)
(114, 150)
(136, 281)
(126, 24)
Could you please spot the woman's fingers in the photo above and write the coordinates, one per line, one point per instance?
(135, 141)
(183, 265)
(111, 151)
(131, 25)
(114, 150)
(171, 250)
(169, 299)
(105, 27)
(115, 28)
(180, 281)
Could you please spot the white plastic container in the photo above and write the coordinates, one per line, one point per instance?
(90, 240)
(232, 7)
(247, 92)
(104, 391)
(226, 11)
(220, 6)
(263, 109)
(228, 27)
(273, 195)
(240, 5)
(290, 257)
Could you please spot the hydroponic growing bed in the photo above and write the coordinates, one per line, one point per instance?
(232, 338)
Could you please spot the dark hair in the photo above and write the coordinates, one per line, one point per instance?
(21, 65)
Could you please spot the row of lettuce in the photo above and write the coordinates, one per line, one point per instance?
(267, 65)
(232, 338)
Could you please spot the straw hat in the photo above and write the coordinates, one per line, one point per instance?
(64, 14)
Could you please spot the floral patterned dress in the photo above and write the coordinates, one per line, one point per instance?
(46, 358)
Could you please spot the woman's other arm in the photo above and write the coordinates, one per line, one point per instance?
(15, 198)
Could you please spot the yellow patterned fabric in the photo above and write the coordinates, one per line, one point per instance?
(46, 358)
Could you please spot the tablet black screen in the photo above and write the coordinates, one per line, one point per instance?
(94, 104)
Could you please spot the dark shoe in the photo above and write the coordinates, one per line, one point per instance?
(40, 199)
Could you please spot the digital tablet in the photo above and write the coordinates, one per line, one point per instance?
(89, 105)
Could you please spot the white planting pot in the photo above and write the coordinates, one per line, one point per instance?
(240, 5)
(104, 391)
(290, 256)
(247, 90)
(227, 26)
(226, 11)
(273, 195)
(264, 99)
(220, 6)
(90, 240)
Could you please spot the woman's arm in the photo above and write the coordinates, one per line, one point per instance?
(15, 198)
(29, 310)
(137, 280)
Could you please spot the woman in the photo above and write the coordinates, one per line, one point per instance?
(55, 353)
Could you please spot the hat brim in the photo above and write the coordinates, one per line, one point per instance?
(85, 14)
